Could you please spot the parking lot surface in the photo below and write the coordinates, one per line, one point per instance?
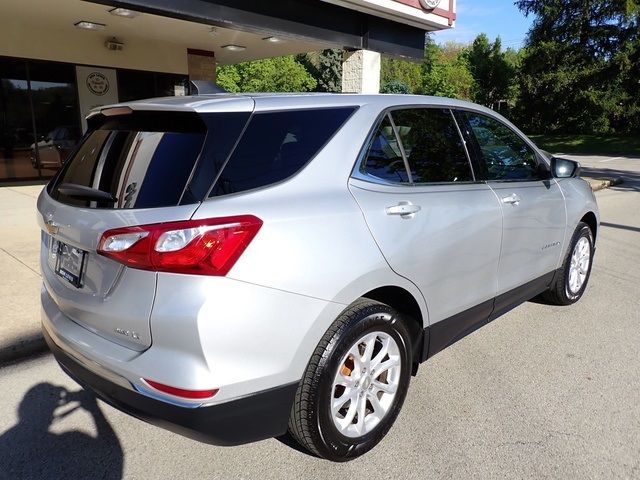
(543, 392)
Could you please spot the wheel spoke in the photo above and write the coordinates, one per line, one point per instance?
(384, 366)
(368, 350)
(385, 387)
(378, 410)
(382, 353)
(338, 403)
(347, 381)
(349, 416)
(362, 412)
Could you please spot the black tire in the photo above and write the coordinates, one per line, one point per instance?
(559, 292)
(310, 423)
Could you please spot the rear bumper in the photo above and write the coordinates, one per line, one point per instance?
(255, 417)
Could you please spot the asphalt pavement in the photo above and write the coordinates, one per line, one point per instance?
(542, 392)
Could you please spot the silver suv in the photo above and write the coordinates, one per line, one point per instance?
(233, 267)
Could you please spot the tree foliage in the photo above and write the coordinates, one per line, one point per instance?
(579, 70)
(280, 74)
(492, 72)
(446, 71)
(406, 72)
(395, 86)
(325, 67)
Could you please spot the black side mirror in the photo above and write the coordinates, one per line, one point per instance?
(543, 171)
(564, 168)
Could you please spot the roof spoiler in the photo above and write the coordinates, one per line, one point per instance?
(204, 87)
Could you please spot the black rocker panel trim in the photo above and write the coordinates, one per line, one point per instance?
(255, 417)
(447, 332)
(442, 334)
(511, 299)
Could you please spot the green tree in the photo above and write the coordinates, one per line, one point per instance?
(395, 86)
(445, 71)
(408, 73)
(325, 67)
(576, 73)
(492, 72)
(280, 74)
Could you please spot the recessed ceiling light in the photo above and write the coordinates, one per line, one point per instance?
(90, 25)
(234, 48)
(273, 40)
(124, 12)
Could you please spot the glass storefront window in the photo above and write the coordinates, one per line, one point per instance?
(136, 85)
(17, 160)
(55, 105)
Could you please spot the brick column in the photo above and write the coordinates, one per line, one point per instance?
(201, 64)
(361, 72)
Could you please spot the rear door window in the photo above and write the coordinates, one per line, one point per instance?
(384, 156)
(276, 145)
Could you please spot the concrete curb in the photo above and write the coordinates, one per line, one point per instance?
(602, 184)
(22, 348)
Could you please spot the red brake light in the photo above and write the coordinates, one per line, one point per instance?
(200, 247)
(180, 392)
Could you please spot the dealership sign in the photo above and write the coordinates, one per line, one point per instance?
(429, 4)
(96, 87)
(97, 83)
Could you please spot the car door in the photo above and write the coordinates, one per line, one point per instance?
(533, 209)
(434, 224)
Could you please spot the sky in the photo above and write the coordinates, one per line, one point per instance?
(493, 17)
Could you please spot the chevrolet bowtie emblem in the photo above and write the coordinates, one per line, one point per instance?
(51, 227)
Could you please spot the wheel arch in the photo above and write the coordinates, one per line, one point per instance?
(590, 219)
(407, 305)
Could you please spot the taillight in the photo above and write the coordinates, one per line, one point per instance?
(200, 247)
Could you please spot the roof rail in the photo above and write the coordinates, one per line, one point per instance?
(204, 87)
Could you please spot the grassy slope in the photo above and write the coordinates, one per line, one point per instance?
(589, 144)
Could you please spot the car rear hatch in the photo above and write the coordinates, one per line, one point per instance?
(133, 167)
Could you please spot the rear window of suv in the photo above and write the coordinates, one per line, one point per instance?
(144, 160)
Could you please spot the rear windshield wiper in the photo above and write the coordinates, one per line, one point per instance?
(85, 193)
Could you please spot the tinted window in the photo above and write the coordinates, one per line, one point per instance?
(505, 155)
(139, 161)
(384, 159)
(276, 145)
(433, 145)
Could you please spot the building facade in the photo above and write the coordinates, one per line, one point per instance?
(58, 60)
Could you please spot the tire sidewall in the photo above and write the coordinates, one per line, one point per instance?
(583, 231)
(373, 318)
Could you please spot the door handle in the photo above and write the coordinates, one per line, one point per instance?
(404, 209)
(513, 199)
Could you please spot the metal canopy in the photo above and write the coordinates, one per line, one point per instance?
(291, 19)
